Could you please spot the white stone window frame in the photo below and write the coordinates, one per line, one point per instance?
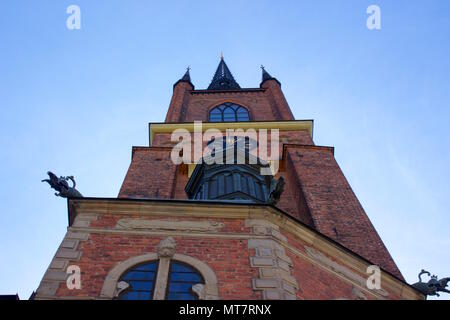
(209, 291)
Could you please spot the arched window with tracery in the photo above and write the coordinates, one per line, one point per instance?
(180, 285)
(229, 112)
(239, 183)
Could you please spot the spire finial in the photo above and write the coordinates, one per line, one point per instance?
(221, 55)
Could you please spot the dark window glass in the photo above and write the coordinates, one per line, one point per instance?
(213, 189)
(215, 115)
(199, 194)
(229, 115)
(244, 184)
(229, 112)
(242, 114)
(141, 280)
(181, 280)
(258, 191)
(221, 184)
(229, 184)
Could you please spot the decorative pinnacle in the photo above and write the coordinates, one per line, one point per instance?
(267, 76)
(223, 79)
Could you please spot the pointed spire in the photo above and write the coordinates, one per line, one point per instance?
(266, 76)
(223, 79)
(186, 77)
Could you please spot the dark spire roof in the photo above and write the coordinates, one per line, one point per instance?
(223, 79)
(186, 78)
(187, 75)
(266, 76)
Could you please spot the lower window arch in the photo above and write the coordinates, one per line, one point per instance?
(159, 276)
(140, 282)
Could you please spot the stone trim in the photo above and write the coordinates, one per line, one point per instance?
(162, 278)
(274, 266)
(66, 255)
(346, 272)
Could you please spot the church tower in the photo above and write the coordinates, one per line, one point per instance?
(231, 200)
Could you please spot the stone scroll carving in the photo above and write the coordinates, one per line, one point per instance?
(199, 290)
(121, 287)
(169, 225)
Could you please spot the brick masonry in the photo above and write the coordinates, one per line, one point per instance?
(255, 254)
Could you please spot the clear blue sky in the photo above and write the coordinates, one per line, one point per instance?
(75, 102)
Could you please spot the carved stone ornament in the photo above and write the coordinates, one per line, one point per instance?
(61, 185)
(276, 190)
(167, 247)
(169, 225)
(121, 286)
(199, 290)
(433, 286)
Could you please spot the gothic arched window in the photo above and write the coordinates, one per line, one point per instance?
(229, 112)
(141, 281)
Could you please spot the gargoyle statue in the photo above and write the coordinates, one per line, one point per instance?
(62, 186)
(276, 189)
(433, 286)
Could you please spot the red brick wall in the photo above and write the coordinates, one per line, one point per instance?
(151, 174)
(229, 258)
(188, 105)
(277, 100)
(180, 98)
(334, 208)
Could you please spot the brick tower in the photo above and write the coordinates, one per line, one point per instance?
(202, 228)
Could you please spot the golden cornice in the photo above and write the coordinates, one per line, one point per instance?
(294, 125)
